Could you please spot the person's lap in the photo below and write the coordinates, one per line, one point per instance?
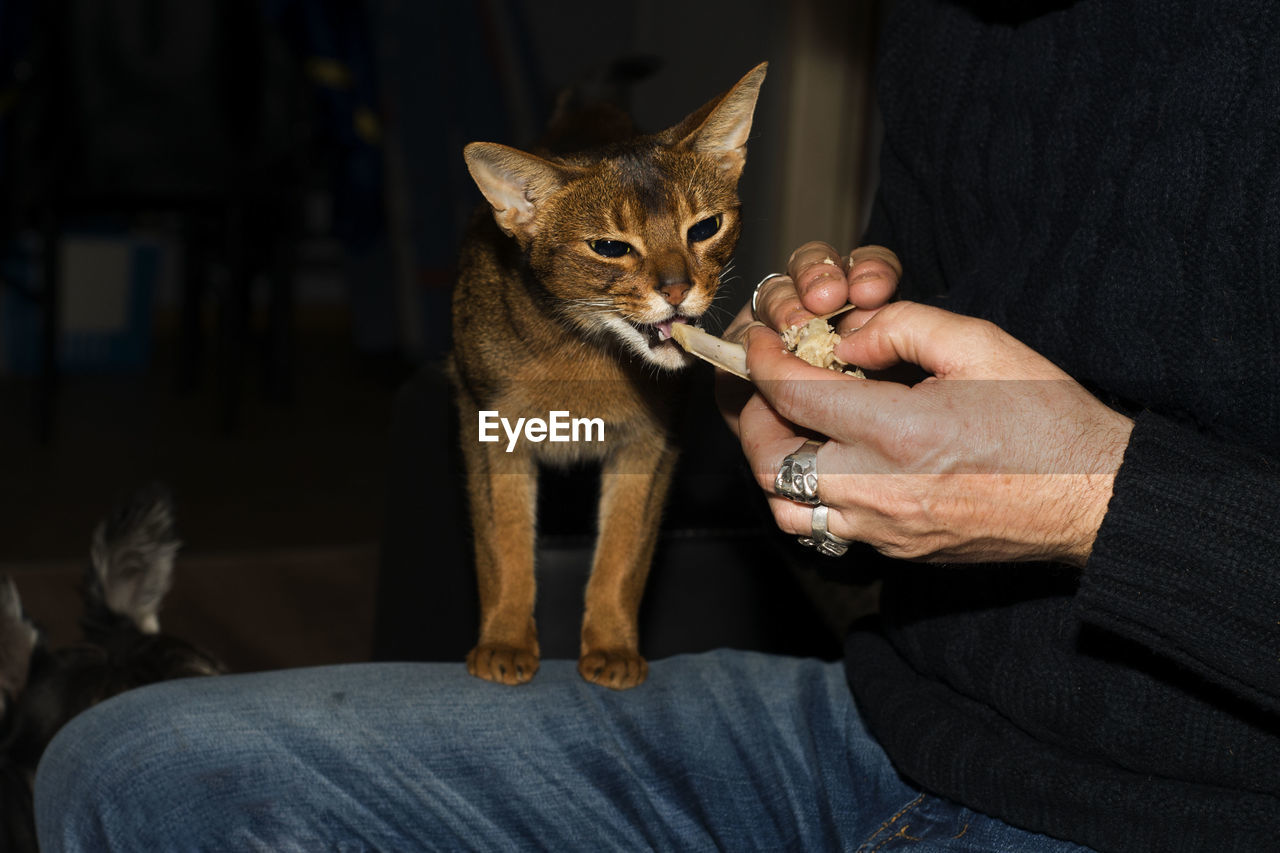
(727, 750)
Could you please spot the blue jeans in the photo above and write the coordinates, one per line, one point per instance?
(722, 751)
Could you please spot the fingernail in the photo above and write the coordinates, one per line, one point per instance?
(739, 336)
(820, 279)
(798, 318)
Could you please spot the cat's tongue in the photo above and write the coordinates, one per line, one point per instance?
(664, 328)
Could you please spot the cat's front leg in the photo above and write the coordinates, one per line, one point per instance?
(633, 488)
(502, 493)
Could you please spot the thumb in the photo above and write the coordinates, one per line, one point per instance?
(946, 345)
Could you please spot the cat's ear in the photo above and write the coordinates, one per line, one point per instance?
(514, 183)
(18, 640)
(720, 129)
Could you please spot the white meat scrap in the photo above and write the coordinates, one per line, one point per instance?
(815, 342)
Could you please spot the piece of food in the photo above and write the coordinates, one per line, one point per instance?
(815, 342)
(723, 354)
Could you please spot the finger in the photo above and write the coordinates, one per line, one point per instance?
(947, 345)
(778, 304)
(791, 517)
(872, 252)
(819, 274)
(853, 320)
(874, 274)
(766, 347)
(767, 438)
(832, 404)
(797, 519)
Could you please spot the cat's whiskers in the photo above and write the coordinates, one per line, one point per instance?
(590, 315)
(719, 313)
(725, 273)
(594, 306)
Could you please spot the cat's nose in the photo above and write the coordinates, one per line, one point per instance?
(674, 292)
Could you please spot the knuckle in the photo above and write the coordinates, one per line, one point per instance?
(872, 271)
(985, 332)
(908, 439)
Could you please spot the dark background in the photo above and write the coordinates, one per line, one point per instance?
(251, 209)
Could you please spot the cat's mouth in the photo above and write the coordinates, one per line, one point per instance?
(656, 334)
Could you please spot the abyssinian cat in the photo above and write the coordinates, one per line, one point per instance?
(563, 306)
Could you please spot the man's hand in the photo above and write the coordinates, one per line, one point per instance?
(997, 455)
(818, 280)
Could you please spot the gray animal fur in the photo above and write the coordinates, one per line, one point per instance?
(18, 639)
(132, 557)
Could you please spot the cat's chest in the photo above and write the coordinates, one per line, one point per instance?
(576, 407)
(544, 388)
(586, 386)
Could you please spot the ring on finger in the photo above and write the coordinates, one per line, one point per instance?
(755, 294)
(821, 536)
(797, 479)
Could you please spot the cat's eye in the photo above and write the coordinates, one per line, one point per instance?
(609, 248)
(705, 229)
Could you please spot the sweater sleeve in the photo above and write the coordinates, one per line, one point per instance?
(1187, 561)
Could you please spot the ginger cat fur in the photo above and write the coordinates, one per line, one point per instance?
(564, 302)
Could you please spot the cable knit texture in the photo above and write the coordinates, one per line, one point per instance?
(1102, 181)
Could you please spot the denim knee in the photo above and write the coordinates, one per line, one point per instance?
(85, 785)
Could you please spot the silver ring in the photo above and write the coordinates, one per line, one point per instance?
(755, 294)
(797, 479)
(823, 539)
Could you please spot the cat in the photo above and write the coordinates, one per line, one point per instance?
(566, 294)
(130, 571)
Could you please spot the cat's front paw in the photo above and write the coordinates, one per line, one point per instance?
(503, 664)
(620, 669)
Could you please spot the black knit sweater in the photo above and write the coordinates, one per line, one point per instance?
(1103, 182)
